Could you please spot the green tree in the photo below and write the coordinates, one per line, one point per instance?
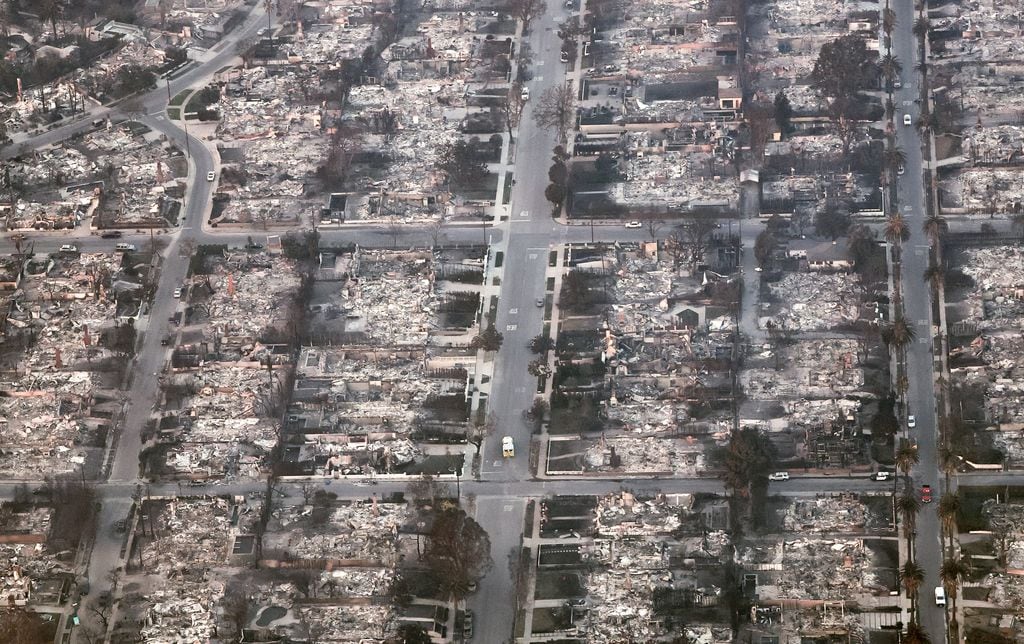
(783, 113)
(949, 514)
(935, 226)
(458, 550)
(916, 635)
(49, 11)
(489, 340)
(912, 577)
(541, 343)
(556, 194)
(890, 67)
(833, 221)
(861, 244)
(907, 507)
(462, 164)
(749, 458)
(844, 68)
(896, 229)
(952, 571)
(934, 275)
(764, 247)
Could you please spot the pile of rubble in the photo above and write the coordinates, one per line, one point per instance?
(192, 534)
(367, 532)
(822, 514)
(680, 457)
(997, 300)
(675, 179)
(815, 301)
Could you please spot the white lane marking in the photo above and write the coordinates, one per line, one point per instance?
(511, 327)
(513, 311)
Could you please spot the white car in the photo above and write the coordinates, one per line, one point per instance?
(778, 476)
(525, 95)
(907, 120)
(900, 170)
(210, 176)
(68, 248)
(177, 293)
(508, 447)
(911, 421)
(634, 224)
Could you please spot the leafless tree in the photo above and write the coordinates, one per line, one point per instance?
(512, 108)
(556, 109)
(480, 431)
(435, 233)
(653, 224)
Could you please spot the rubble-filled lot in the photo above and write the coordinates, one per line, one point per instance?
(68, 333)
(641, 352)
(985, 316)
(814, 301)
(112, 177)
(390, 362)
(294, 126)
(657, 112)
(633, 548)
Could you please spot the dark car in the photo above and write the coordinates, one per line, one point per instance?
(112, 234)
(926, 494)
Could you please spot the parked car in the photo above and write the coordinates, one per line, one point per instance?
(112, 234)
(634, 224)
(525, 95)
(940, 596)
(926, 494)
(911, 421)
(564, 56)
(177, 293)
(540, 302)
(881, 476)
(210, 176)
(508, 447)
(778, 476)
(125, 248)
(68, 248)
(901, 170)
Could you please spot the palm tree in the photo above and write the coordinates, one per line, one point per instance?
(951, 572)
(888, 21)
(893, 157)
(949, 460)
(896, 229)
(916, 635)
(907, 506)
(949, 512)
(921, 27)
(903, 334)
(907, 457)
(935, 226)
(936, 275)
(912, 576)
(890, 67)
(50, 10)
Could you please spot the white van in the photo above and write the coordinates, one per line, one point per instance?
(940, 596)
(125, 248)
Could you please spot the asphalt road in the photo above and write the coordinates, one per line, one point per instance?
(530, 233)
(917, 311)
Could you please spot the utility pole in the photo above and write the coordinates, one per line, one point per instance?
(184, 124)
